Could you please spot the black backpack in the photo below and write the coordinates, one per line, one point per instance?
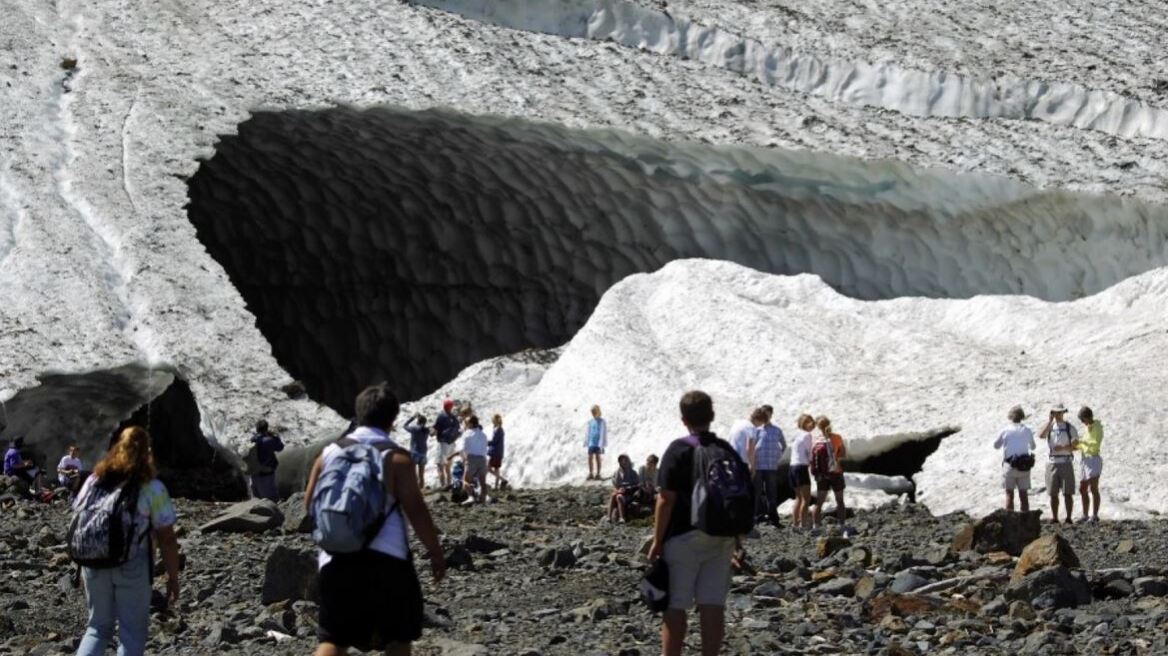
(723, 493)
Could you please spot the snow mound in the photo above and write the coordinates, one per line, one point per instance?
(875, 367)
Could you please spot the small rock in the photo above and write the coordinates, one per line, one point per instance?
(1125, 547)
(1001, 530)
(481, 545)
(558, 558)
(1046, 551)
(1117, 589)
(827, 546)
(458, 557)
(907, 582)
(1053, 587)
(842, 587)
(1151, 586)
(1020, 610)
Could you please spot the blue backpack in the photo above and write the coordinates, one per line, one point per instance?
(723, 493)
(348, 503)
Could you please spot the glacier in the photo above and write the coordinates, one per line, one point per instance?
(174, 179)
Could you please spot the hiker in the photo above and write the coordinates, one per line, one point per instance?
(742, 433)
(474, 451)
(1090, 462)
(495, 452)
(827, 462)
(698, 560)
(764, 453)
(1060, 467)
(799, 475)
(419, 438)
(119, 593)
(15, 464)
(595, 440)
(625, 486)
(370, 597)
(648, 475)
(69, 470)
(1016, 442)
(267, 444)
(446, 431)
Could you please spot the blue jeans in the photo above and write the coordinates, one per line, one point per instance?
(121, 595)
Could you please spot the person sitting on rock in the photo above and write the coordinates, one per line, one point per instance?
(16, 465)
(474, 450)
(595, 441)
(648, 475)
(266, 444)
(1016, 442)
(419, 439)
(69, 470)
(625, 486)
(1060, 435)
(1091, 462)
(495, 452)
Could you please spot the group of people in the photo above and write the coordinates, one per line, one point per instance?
(1063, 440)
(461, 468)
(19, 466)
(816, 454)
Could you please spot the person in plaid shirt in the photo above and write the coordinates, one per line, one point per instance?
(763, 454)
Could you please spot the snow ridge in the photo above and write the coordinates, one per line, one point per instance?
(935, 93)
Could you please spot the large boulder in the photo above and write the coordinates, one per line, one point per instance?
(1001, 530)
(290, 574)
(1051, 588)
(1046, 551)
(251, 516)
(296, 518)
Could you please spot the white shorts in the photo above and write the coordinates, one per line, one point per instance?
(1012, 479)
(445, 451)
(699, 569)
(1090, 467)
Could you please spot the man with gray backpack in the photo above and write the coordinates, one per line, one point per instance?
(706, 503)
(360, 492)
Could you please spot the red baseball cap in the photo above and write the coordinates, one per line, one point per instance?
(447, 404)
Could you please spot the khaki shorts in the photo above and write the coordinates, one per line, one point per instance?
(1060, 475)
(1012, 479)
(699, 569)
(1090, 467)
(446, 450)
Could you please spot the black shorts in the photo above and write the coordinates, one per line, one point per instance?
(369, 600)
(832, 482)
(799, 476)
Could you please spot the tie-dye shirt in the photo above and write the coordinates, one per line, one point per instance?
(155, 511)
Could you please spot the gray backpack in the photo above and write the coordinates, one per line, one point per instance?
(102, 531)
(348, 503)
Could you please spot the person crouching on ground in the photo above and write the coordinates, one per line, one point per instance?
(595, 440)
(1016, 442)
(1060, 468)
(833, 480)
(121, 595)
(495, 452)
(1091, 462)
(800, 472)
(698, 563)
(625, 485)
(419, 443)
(372, 600)
(267, 444)
(474, 450)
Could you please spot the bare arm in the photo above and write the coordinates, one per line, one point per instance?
(750, 453)
(311, 487)
(403, 485)
(168, 546)
(666, 499)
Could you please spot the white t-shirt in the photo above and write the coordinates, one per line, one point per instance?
(1015, 440)
(741, 433)
(67, 462)
(474, 442)
(801, 449)
(391, 540)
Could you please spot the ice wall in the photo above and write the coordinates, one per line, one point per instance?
(401, 245)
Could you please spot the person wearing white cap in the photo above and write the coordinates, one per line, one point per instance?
(1060, 468)
(1016, 442)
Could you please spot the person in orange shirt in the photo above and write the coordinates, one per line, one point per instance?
(834, 479)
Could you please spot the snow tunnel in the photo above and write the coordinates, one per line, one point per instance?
(390, 244)
(89, 409)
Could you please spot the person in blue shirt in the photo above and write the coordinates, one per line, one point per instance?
(495, 453)
(595, 440)
(266, 444)
(16, 465)
(419, 443)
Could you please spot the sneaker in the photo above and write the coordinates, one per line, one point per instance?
(1069, 521)
(1083, 520)
(469, 502)
(1094, 520)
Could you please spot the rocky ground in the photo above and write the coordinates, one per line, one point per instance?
(537, 573)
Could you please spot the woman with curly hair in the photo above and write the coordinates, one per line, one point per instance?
(121, 595)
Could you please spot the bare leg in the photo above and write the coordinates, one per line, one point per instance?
(672, 632)
(1054, 507)
(1010, 500)
(806, 491)
(713, 624)
(817, 511)
(796, 511)
(841, 511)
(1070, 499)
(1095, 496)
(422, 477)
(1024, 500)
(1084, 486)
